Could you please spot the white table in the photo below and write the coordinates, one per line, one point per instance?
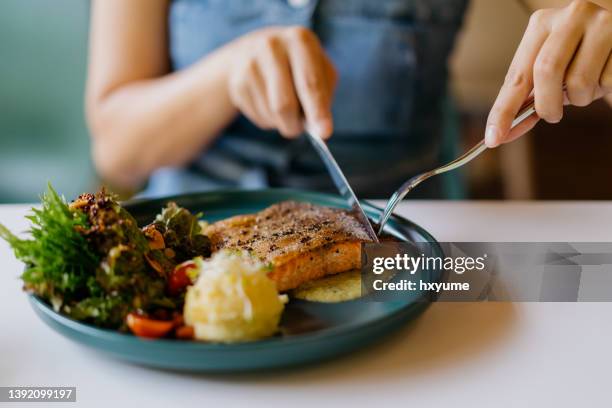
(456, 354)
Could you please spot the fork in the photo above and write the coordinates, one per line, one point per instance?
(526, 111)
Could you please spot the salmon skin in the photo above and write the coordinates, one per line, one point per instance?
(302, 241)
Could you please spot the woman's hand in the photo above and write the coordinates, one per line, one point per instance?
(570, 45)
(282, 79)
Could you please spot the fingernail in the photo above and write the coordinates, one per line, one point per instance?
(321, 128)
(327, 128)
(492, 136)
(313, 128)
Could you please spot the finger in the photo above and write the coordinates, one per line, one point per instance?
(282, 99)
(587, 67)
(518, 82)
(249, 110)
(240, 92)
(246, 95)
(331, 74)
(605, 82)
(522, 128)
(552, 63)
(310, 78)
(259, 100)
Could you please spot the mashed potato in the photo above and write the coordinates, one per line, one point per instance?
(233, 300)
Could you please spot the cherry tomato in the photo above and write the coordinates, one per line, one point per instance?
(143, 326)
(178, 279)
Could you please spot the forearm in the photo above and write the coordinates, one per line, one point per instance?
(164, 121)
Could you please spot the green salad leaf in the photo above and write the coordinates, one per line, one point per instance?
(182, 232)
(58, 260)
(90, 260)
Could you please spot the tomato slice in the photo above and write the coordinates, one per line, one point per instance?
(184, 332)
(143, 326)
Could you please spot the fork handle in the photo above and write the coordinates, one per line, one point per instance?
(526, 111)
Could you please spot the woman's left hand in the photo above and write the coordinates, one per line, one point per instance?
(570, 45)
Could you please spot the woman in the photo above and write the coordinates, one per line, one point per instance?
(198, 94)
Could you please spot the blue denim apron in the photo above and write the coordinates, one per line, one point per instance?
(388, 110)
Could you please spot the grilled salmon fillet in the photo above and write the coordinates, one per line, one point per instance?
(301, 240)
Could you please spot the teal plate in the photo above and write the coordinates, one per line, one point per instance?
(312, 331)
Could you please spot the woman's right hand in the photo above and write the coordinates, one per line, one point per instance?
(282, 79)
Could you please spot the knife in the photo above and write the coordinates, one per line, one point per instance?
(341, 182)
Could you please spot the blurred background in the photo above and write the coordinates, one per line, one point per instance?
(43, 137)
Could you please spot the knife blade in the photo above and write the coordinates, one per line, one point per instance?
(341, 182)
